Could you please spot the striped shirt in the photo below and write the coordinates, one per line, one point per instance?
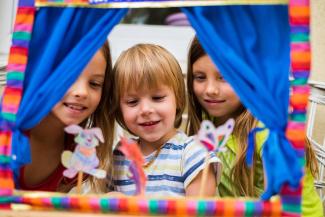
(178, 163)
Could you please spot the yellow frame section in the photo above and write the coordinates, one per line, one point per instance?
(176, 3)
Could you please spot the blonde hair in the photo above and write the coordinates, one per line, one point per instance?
(241, 176)
(100, 118)
(147, 66)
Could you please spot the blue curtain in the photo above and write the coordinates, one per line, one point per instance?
(63, 41)
(250, 45)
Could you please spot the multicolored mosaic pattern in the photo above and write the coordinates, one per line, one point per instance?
(144, 206)
(150, 3)
(299, 14)
(13, 91)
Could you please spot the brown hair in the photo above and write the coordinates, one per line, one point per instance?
(311, 161)
(100, 118)
(147, 66)
(242, 176)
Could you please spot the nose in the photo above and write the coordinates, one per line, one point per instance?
(212, 87)
(79, 89)
(146, 107)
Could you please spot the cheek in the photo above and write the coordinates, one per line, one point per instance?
(196, 88)
(127, 114)
(230, 91)
(232, 96)
(55, 109)
(198, 91)
(96, 99)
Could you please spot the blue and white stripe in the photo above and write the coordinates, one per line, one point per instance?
(177, 164)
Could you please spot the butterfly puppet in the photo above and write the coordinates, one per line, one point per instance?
(214, 139)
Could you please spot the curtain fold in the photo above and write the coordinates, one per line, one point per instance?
(250, 45)
(63, 42)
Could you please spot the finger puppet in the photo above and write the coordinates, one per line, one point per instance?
(84, 158)
(132, 152)
(213, 139)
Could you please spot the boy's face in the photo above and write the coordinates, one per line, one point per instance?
(83, 97)
(214, 94)
(150, 114)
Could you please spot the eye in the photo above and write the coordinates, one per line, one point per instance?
(199, 77)
(132, 102)
(220, 78)
(96, 84)
(158, 98)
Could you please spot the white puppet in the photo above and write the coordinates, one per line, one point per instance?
(84, 158)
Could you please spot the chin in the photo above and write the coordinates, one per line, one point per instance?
(70, 122)
(216, 114)
(153, 139)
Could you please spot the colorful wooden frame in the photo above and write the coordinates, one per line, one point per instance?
(290, 201)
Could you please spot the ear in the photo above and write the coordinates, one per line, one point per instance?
(98, 133)
(73, 129)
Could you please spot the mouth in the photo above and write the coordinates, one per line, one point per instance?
(75, 107)
(214, 101)
(149, 123)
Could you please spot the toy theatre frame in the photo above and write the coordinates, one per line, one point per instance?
(263, 42)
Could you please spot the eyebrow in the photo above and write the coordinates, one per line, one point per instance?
(197, 71)
(98, 75)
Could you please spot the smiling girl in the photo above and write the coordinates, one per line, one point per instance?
(84, 103)
(212, 97)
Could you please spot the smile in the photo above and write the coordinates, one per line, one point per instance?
(214, 101)
(149, 123)
(75, 107)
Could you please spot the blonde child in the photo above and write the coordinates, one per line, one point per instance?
(211, 97)
(148, 101)
(84, 103)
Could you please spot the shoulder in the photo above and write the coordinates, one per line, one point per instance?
(261, 137)
(116, 151)
(179, 142)
(117, 154)
(311, 202)
(181, 138)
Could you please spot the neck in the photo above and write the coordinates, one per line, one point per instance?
(221, 120)
(48, 133)
(47, 144)
(147, 147)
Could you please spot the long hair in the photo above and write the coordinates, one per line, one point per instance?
(241, 176)
(311, 161)
(147, 66)
(100, 118)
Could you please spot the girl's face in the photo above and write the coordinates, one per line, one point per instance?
(150, 114)
(215, 95)
(83, 97)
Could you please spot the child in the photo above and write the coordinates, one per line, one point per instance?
(211, 97)
(84, 103)
(149, 99)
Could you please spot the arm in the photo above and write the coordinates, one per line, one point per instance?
(210, 186)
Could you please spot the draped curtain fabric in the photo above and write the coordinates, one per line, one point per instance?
(250, 45)
(63, 41)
